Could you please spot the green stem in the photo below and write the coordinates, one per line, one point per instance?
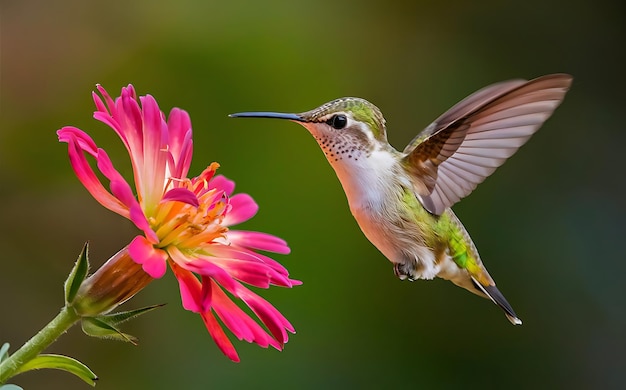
(33, 347)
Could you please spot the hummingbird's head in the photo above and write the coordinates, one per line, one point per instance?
(346, 129)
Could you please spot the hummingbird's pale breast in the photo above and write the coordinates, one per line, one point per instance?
(376, 186)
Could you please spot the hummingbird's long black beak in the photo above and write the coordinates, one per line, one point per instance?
(276, 115)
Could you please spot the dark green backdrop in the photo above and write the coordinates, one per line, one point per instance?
(549, 223)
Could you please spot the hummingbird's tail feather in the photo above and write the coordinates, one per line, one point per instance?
(496, 296)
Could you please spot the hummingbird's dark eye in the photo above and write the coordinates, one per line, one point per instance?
(337, 121)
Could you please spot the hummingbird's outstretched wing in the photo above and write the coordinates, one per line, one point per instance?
(467, 143)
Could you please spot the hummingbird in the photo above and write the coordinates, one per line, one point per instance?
(402, 200)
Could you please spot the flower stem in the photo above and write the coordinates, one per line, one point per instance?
(33, 347)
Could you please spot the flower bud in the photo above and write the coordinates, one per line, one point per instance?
(118, 280)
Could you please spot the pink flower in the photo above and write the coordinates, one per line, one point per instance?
(184, 221)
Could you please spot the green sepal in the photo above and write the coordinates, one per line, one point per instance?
(4, 352)
(123, 316)
(77, 275)
(10, 387)
(61, 362)
(94, 327)
(106, 326)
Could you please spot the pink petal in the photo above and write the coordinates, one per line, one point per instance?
(240, 323)
(131, 91)
(258, 240)
(110, 103)
(218, 335)
(179, 126)
(152, 260)
(208, 268)
(128, 115)
(223, 184)
(100, 105)
(230, 314)
(106, 112)
(88, 178)
(84, 141)
(253, 273)
(228, 251)
(119, 187)
(181, 195)
(277, 274)
(243, 208)
(273, 320)
(190, 289)
(203, 267)
(180, 144)
(155, 141)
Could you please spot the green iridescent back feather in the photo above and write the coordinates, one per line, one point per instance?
(446, 231)
(461, 247)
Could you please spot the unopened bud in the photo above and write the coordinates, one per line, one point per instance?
(118, 280)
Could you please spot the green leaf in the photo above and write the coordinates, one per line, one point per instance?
(61, 362)
(10, 387)
(78, 274)
(4, 352)
(94, 327)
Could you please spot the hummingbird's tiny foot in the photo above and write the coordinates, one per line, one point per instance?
(402, 272)
(397, 272)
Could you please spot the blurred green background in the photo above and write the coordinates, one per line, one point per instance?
(549, 223)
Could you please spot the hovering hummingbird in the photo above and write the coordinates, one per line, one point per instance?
(402, 200)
